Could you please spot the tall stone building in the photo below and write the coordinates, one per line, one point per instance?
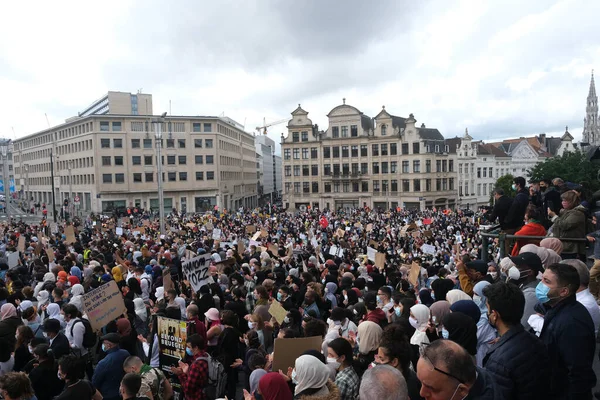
(591, 127)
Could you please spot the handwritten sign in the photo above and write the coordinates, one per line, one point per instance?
(413, 274)
(277, 312)
(371, 253)
(119, 231)
(70, 234)
(428, 249)
(250, 229)
(196, 271)
(103, 304)
(380, 260)
(216, 234)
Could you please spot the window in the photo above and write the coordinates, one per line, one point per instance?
(199, 175)
(485, 189)
(416, 148)
(363, 150)
(305, 154)
(208, 143)
(137, 177)
(393, 149)
(148, 160)
(428, 166)
(375, 150)
(478, 172)
(304, 135)
(459, 168)
(444, 165)
(383, 130)
(135, 143)
(171, 160)
(288, 170)
(149, 176)
(296, 170)
(345, 151)
(118, 143)
(479, 189)
(286, 154)
(353, 130)
(335, 132)
(172, 176)
(450, 165)
(416, 185)
(106, 178)
(451, 183)
(182, 160)
(198, 143)
(288, 185)
(438, 184)
(327, 188)
(305, 187)
(375, 168)
(198, 159)
(384, 167)
(314, 153)
(207, 127)
(183, 176)
(384, 186)
(315, 187)
(355, 186)
(365, 187)
(105, 143)
(295, 137)
(405, 167)
(314, 170)
(376, 186)
(364, 168)
(119, 178)
(170, 143)
(428, 185)
(354, 151)
(296, 154)
(484, 173)
(210, 175)
(104, 126)
(136, 160)
(106, 161)
(210, 159)
(405, 185)
(181, 143)
(438, 165)
(404, 148)
(196, 127)
(147, 143)
(416, 166)
(394, 185)
(344, 131)
(491, 172)
(394, 167)
(336, 169)
(116, 127)
(326, 152)
(354, 168)
(336, 152)
(296, 187)
(119, 160)
(326, 169)
(345, 169)
(384, 149)
(305, 170)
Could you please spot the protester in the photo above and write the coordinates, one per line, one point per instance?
(109, 371)
(385, 383)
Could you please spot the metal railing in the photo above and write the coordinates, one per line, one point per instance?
(495, 233)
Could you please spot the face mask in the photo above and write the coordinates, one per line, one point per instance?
(279, 296)
(189, 351)
(30, 349)
(514, 187)
(378, 299)
(286, 320)
(413, 322)
(514, 273)
(255, 296)
(397, 311)
(323, 281)
(477, 299)
(234, 282)
(58, 375)
(250, 324)
(541, 292)
(494, 275)
(433, 296)
(337, 323)
(45, 335)
(333, 362)
(445, 333)
(346, 297)
(294, 381)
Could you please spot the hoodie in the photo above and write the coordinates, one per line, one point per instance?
(377, 315)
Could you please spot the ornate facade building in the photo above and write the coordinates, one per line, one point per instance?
(591, 128)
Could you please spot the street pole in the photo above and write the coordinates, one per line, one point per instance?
(5, 177)
(71, 206)
(27, 195)
(161, 200)
(52, 182)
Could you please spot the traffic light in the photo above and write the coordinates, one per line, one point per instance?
(66, 203)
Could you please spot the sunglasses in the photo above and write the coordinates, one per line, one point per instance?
(434, 368)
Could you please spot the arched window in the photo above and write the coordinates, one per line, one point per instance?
(383, 130)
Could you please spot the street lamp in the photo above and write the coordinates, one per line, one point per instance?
(27, 196)
(71, 206)
(161, 196)
(4, 144)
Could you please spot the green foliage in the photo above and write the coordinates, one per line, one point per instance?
(505, 182)
(570, 167)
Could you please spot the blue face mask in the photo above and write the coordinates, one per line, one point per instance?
(378, 299)
(397, 311)
(445, 333)
(279, 296)
(189, 351)
(541, 292)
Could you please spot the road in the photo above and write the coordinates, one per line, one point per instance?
(18, 214)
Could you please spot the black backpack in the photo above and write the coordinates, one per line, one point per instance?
(89, 337)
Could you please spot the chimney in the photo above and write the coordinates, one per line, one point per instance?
(422, 125)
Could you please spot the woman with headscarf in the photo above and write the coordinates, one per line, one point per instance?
(128, 335)
(552, 244)
(255, 377)
(330, 297)
(76, 271)
(273, 386)
(425, 297)
(368, 339)
(181, 303)
(43, 298)
(313, 383)
(77, 292)
(140, 321)
(461, 329)
(117, 274)
(485, 332)
(53, 311)
(49, 278)
(455, 295)
(438, 311)
(419, 318)
(9, 322)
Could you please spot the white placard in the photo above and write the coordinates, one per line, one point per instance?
(216, 234)
(119, 231)
(333, 250)
(196, 271)
(13, 259)
(371, 252)
(428, 249)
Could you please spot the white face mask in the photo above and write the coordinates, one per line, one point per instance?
(494, 275)
(514, 273)
(413, 322)
(333, 362)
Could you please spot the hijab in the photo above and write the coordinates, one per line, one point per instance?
(467, 307)
(529, 248)
(455, 295)
(369, 336)
(75, 271)
(552, 244)
(274, 387)
(181, 303)
(123, 326)
(49, 277)
(311, 373)
(42, 297)
(255, 377)
(478, 296)
(8, 310)
(73, 280)
(421, 314)
(117, 274)
(331, 289)
(439, 310)
(140, 308)
(77, 290)
(425, 297)
(462, 330)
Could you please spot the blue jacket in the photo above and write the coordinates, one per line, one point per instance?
(568, 333)
(518, 362)
(109, 372)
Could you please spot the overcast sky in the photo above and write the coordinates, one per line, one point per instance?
(501, 68)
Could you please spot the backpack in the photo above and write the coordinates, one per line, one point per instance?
(217, 378)
(89, 337)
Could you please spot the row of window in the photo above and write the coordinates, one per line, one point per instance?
(384, 186)
(149, 177)
(148, 143)
(107, 161)
(363, 168)
(138, 126)
(383, 149)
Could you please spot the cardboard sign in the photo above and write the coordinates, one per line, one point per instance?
(167, 280)
(413, 274)
(369, 227)
(196, 271)
(21, 245)
(428, 233)
(380, 260)
(428, 249)
(371, 253)
(273, 248)
(190, 225)
(70, 234)
(340, 233)
(256, 236)
(250, 229)
(416, 234)
(373, 244)
(225, 263)
(50, 254)
(209, 226)
(146, 222)
(286, 351)
(263, 233)
(38, 249)
(277, 312)
(103, 304)
(241, 248)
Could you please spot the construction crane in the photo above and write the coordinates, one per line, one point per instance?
(263, 129)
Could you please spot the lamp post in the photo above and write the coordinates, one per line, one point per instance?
(4, 148)
(52, 183)
(27, 195)
(71, 205)
(161, 200)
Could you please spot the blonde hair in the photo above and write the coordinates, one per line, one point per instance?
(571, 197)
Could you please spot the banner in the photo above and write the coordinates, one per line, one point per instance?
(103, 305)
(196, 271)
(172, 341)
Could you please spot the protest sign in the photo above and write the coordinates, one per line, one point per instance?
(371, 253)
(53, 227)
(224, 263)
(172, 341)
(196, 271)
(50, 254)
(38, 249)
(380, 260)
(413, 274)
(250, 229)
(167, 280)
(190, 225)
(119, 231)
(21, 245)
(427, 221)
(459, 239)
(428, 233)
(373, 244)
(103, 304)
(256, 236)
(416, 234)
(314, 242)
(216, 234)
(277, 312)
(240, 247)
(70, 234)
(286, 351)
(264, 233)
(273, 248)
(13, 259)
(340, 233)
(253, 243)
(428, 249)
(369, 227)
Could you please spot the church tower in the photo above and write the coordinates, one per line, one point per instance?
(591, 129)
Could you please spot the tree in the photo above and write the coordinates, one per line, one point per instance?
(570, 167)
(504, 182)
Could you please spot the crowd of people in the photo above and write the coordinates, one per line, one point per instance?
(402, 303)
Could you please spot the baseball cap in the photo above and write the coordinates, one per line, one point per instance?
(111, 337)
(531, 260)
(478, 265)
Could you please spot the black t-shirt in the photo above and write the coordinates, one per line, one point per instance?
(82, 390)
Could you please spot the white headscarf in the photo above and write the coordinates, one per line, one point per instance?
(311, 373)
(140, 308)
(181, 303)
(369, 336)
(160, 292)
(49, 277)
(77, 290)
(421, 314)
(42, 297)
(53, 312)
(455, 295)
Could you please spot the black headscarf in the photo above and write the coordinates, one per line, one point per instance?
(462, 330)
